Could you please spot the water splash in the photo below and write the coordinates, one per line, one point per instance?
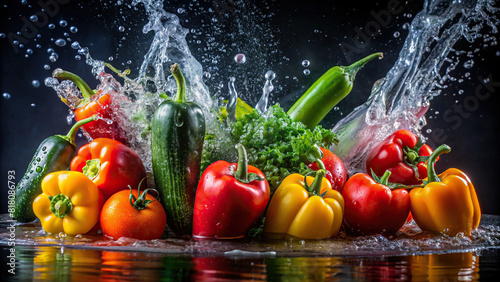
(400, 100)
(233, 99)
(268, 88)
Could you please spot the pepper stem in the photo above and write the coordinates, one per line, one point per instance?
(92, 168)
(181, 83)
(384, 180)
(353, 69)
(241, 174)
(431, 172)
(60, 205)
(82, 85)
(315, 188)
(70, 137)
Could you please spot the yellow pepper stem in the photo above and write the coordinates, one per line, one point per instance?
(60, 205)
(431, 172)
(315, 188)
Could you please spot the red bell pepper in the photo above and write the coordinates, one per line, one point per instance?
(403, 155)
(111, 165)
(102, 104)
(372, 207)
(334, 167)
(229, 199)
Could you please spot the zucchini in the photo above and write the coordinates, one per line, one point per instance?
(54, 154)
(177, 134)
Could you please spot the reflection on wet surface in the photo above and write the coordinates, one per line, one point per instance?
(408, 255)
(51, 263)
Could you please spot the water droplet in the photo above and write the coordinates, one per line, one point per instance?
(110, 58)
(33, 18)
(63, 23)
(79, 236)
(50, 50)
(436, 112)
(460, 92)
(240, 58)
(307, 71)
(21, 45)
(396, 34)
(270, 75)
(486, 80)
(44, 148)
(47, 67)
(53, 57)
(181, 11)
(62, 235)
(73, 29)
(35, 83)
(406, 26)
(121, 28)
(6, 95)
(428, 130)
(52, 26)
(336, 108)
(33, 105)
(75, 45)
(24, 2)
(316, 31)
(497, 53)
(2, 35)
(207, 74)
(29, 51)
(305, 63)
(60, 42)
(66, 34)
(78, 57)
(38, 46)
(38, 169)
(469, 64)
(129, 62)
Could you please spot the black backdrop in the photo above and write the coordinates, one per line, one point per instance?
(319, 31)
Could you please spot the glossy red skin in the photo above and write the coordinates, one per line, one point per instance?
(225, 207)
(389, 155)
(335, 169)
(120, 165)
(372, 208)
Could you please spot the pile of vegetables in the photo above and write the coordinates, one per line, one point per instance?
(284, 181)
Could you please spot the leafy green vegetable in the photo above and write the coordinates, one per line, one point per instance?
(275, 144)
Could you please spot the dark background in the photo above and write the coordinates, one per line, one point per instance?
(276, 36)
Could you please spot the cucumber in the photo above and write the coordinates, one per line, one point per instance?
(177, 134)
(53, 154)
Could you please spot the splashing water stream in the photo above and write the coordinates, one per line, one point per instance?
(400, 100)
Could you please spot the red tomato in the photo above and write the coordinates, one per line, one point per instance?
(120, 219)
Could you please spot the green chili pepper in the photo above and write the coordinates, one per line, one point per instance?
(327, 92)
(54, 154)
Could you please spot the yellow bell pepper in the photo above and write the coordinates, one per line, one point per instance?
(69, 203)
(303, 211)
(448, 203)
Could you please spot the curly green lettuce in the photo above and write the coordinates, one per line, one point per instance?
(275, 144)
